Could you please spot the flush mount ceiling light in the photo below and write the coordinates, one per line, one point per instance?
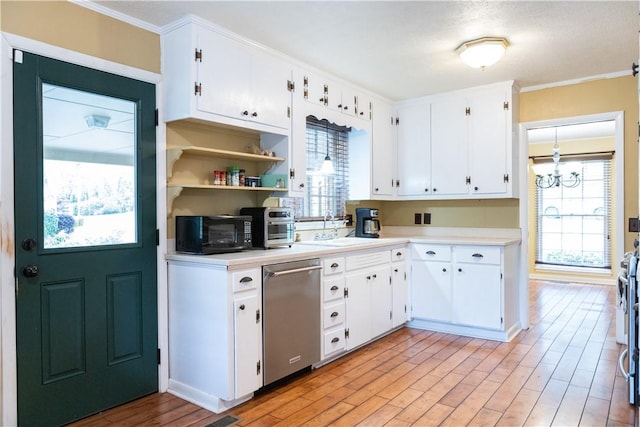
(97, 121)
(483, 52)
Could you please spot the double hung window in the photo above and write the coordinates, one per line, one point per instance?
(574, 224)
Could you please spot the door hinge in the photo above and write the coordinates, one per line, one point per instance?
(467, 111)
(405, 275)
(389, 279)
(258, 368)
(468, 180)
(405, 308)
(391, 315)
(505, 106)
(157, 237)
(397, 121)
(501, 320)
(291, 86)
(198, 89)
(500, 276)
(505, 177)
(397, 183)
(392, 121)
(258, 316)
(198, 56)
(292, 173)
(159, 358)
(156, 117)
(346, 333)
(346, 292)
(288, 112)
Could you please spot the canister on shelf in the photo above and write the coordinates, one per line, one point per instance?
(242, 177)
(235, 176)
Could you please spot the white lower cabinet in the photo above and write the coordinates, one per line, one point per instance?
(362, 292)
(465, 289)
(215, 334)
(400, 286)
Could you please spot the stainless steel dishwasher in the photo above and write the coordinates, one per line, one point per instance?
(291, 317)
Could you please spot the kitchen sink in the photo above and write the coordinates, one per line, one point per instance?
(341, 241)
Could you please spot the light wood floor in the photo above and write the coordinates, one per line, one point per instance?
(562, 371)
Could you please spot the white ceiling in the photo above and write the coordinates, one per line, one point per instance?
(403, 49)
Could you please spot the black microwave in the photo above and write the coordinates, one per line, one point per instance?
(213, 234)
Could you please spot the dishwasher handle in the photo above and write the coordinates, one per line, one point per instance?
(623, 356)
(293, 270)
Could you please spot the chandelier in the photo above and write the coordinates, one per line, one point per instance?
(555, 178)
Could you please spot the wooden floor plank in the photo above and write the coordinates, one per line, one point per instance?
(561, 371)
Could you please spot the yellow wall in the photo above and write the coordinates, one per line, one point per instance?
(599, 96)
(67, 25)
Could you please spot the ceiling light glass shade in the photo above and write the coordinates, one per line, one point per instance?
(484, 52)
(327, 166)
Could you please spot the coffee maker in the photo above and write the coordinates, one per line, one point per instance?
(367, 222)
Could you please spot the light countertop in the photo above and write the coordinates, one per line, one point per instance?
(306, 250)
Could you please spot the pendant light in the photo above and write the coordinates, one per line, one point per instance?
(327, 165)
(556, 178)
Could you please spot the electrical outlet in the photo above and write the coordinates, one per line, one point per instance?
(633, 225)
(427, 218)
(417, 218)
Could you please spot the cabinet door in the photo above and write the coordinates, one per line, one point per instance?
(247, 333)
(477, 295)
(315, 89)
(383, 152)
(449, 152)
(381, 300)
(400, 293)
(270, 96)
(224, 74)
(414, 150)
(488, 143)
(358, 307)
(431, 290)
(348, 101)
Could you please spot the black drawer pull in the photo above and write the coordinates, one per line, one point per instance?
(477, 256)
(334, 314)
(398, 253)
(430, 253)
(334, 288)
(246, 279)
(334, 265)
(335, 340)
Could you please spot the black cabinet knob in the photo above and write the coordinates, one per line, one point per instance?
(29, 244)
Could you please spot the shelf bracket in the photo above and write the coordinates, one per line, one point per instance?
(173, 154)
(172, 193)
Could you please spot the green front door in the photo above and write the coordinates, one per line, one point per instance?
(85, 239)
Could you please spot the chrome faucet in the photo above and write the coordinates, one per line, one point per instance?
(324, 235)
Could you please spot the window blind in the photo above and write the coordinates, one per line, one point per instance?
(325, 192)
(574, 224)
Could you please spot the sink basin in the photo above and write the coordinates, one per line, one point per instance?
(341, 241)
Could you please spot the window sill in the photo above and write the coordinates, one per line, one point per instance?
(569, 269)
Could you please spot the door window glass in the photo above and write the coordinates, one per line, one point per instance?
(89, 174)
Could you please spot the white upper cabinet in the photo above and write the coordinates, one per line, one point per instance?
(458, 145)
(449, 147)
(320, 90)
(213, 77)
(383, 150)
(490, 142)
(414, 150)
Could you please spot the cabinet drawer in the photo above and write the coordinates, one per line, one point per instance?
(333, 265)
(478, 254)
(355, 262)
(429, 252)
(246, 279)
(333, 289)
(333, 315)
(334, 342)
(398, 254)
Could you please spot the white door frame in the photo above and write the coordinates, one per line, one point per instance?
(9, 42)
(618, 193)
